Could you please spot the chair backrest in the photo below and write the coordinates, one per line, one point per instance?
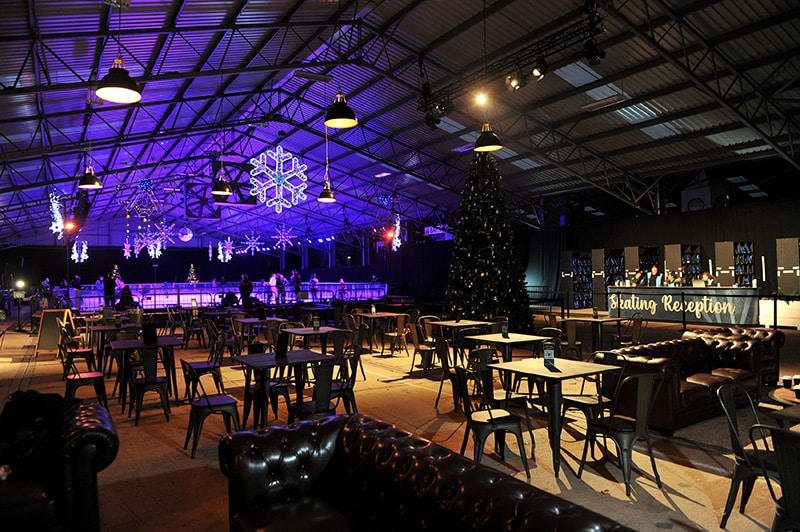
(786, 444)
(551, 332)
(609, 383)
(282, 344)
(193, 376)
(349, 370)
(415, 330)
(443, 352)
(413, 315)
(425, 321)
(647, 386)
(336, 340)
(571, 331)
(149, 357)
(637, 323)
(255, 347)
(472, 403)
(323, 379)
(727, 395)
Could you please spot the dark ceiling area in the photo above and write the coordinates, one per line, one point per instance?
(645, 107)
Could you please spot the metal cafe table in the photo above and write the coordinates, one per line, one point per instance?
(167, 345)
(261, 363)
(553, 375)
(507, 341)
(307, 332)
(372, 317)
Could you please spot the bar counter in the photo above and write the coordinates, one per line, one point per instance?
(714, 305)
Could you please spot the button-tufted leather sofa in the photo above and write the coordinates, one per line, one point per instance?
(694, 367)
(772, 340)
(352, 472)
(55, 452)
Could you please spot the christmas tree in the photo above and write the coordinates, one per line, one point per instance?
(486, 276)
(192, 277)
(115, 273)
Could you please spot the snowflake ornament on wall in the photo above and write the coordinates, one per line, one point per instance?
(280, 179)
(251, 243)
(283, 237)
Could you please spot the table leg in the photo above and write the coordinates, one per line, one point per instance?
(553, 388)
(172, 375)
(506, 352)
(248, 395)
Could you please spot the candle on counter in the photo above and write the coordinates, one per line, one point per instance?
(763, 270)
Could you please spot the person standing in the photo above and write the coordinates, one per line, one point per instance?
(245, 289)
(109, 289)
(273, 289)
(281, 282)
(314, 283)
(75, 289)
(296, 281)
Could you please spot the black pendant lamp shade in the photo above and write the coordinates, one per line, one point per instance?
(89, 181)
(340, 115)
(487, 140)
(117, 86)
(221, 186)
(326, 196)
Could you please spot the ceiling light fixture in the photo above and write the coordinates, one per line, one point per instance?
(117, 86)
(592, 52)
(487, 140)
(326, 196)
(340, 115)
(221, 186)
(539, 68)
(89, 181)
(515, 82)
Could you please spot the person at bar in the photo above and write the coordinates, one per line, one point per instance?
(708, 279)
(654, 277)
(638, 278)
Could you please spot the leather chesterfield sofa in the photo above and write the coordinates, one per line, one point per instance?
(54, 451)
(352, 472)
(693, 369)
(772, 340)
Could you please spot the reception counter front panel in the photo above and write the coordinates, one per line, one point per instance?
(724, 306)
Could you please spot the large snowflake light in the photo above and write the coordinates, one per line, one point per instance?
(225, 250)
(283, 237)
(251, 243)
(397, 239)
(279, 179)
(57, 225)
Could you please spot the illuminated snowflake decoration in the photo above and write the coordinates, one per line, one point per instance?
(251, 243)
(283, 237)
(279, 181)
(150, 241)
(210, 252)
(165, 233)
(80, 251)
(385, 199)
(126, 249)
(57, 217)
(225, 250)
(397, 239)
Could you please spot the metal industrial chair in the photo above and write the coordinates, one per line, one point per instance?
(146, 379)
(749, 463)
(343, 386)
(448, 372)
(75, 378)
(483, 420)
(320, 404)
(626, 430)
(631, 333)
(72, 347)
(571, 344)
(787, 455)
(190, 327)
(211, 366)
(204, 406)
(397, 335)
(425, 352)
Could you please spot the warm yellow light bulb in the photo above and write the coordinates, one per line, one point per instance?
(481, 98)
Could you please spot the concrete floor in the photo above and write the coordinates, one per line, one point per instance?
(155, 485)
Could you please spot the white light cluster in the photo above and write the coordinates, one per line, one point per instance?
(57, 224)
(80, 251)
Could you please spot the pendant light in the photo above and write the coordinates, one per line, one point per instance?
(487, 140)
(221, 186)
(117, 86)
(340, 115)
(89, 181)
(326, 196)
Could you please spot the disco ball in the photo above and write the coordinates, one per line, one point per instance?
(185, 234)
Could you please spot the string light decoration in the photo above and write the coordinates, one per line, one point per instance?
(56, 215)
(225, 250)
(80, 251)
(280, 179)
(126, 249)
(210, 252)
(283, 237)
